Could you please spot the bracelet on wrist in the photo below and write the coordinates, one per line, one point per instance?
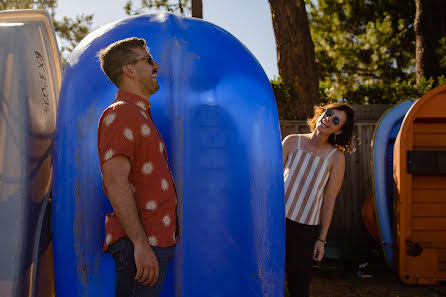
(323, 241)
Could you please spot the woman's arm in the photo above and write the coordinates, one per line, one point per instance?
(331, 192)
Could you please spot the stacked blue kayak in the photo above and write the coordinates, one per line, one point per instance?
(383, 142)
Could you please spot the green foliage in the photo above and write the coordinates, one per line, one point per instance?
(365, 50)
(72, 31)
(283, 98)
(367, 93)
(28, 4)
(442, 52)
(384, 93)
(178, 6)
(365, 53)
(16, 4)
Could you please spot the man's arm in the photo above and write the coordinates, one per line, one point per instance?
(115, 172)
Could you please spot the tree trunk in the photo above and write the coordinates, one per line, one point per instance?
(295, 55)
(197, 9)
(430, 26)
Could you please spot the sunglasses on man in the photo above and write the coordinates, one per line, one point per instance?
(148, 58)
(329, 112)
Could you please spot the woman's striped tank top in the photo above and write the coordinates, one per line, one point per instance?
(305, 176)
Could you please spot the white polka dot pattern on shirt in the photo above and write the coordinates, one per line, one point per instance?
(164, 184)
(161, 147)
(151, 205)
(106, 220)
(145, 130)
(108, 239)
(144, 114)
(166, 221)
(108, 154)
(128, 134)
(153, 240)
(147, 168)
(132, 188)
(141, 104)
(173, 236)
(109, 119)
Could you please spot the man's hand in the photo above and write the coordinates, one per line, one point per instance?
(147, 269)
(319, 251)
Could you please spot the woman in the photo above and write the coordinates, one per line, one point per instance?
(314, 166)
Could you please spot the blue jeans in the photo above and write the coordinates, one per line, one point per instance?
(126, 285)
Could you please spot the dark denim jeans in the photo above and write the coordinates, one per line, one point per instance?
(126, 285)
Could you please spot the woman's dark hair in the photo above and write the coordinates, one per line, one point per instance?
(343, 141)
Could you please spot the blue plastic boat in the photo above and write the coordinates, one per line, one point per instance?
(383, 141)
(216, 112)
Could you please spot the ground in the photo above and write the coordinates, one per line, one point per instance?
(380, 285)
(371, 278)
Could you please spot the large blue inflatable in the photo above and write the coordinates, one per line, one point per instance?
(216, 112)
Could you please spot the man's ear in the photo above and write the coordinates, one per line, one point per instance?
(129, 71)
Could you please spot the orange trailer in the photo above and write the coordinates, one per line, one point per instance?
(420, 191)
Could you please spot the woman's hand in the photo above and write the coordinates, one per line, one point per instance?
(319, 250)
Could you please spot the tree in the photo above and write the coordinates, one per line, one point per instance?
(430, 32)
(295, 57)
(197, 9)
(178, 6)
(70, 31)
(50, 5)
(364, 49)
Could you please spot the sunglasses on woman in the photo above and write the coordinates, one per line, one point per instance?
(329, 112)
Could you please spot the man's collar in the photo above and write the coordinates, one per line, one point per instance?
(133, 98)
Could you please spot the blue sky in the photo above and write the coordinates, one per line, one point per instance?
(248, 20)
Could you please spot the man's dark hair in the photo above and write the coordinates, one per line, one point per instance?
(117, 55)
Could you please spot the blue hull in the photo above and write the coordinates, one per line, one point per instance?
(385, 134)
(216, 112)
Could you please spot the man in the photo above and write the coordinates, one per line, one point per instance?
(141, 232)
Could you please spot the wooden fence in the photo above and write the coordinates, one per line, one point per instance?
(347, 229)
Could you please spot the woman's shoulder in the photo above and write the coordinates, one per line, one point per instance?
(292, 139)
(295, 137)
(338, 155)
(289, 143)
